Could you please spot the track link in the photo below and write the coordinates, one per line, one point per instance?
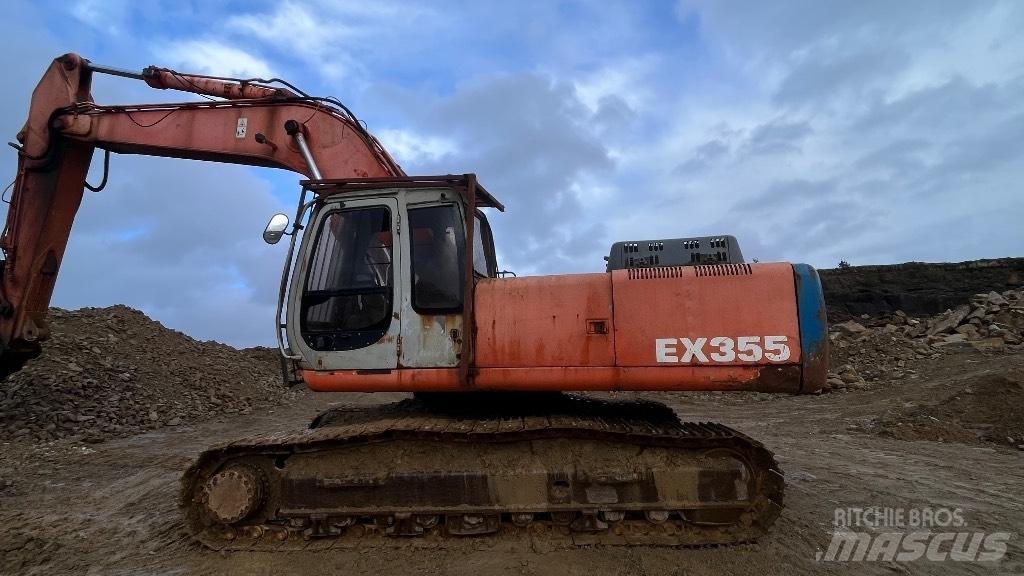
(566, 469)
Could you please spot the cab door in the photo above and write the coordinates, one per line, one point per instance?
(344, 306)
(432, 318)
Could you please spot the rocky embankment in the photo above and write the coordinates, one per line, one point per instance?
(916, 288)
(888, 347)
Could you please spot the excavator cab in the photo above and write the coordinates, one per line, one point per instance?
(379, 281)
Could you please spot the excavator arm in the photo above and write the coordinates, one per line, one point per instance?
(241, 122)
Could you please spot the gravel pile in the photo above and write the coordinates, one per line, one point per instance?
(109, 372)
(869, 350)
(985, 410)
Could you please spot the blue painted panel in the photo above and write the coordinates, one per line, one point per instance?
(813, 327)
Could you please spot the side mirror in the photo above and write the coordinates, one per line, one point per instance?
(275, 229)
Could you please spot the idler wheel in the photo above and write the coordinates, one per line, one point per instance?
(234, 493)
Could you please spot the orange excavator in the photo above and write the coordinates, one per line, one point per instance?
(390, 284)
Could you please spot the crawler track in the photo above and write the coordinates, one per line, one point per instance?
(564, 468)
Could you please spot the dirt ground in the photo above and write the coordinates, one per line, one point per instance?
(68, 507)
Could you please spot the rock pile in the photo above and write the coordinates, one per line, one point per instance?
(109, 372)
(990, 321)
(875, 349)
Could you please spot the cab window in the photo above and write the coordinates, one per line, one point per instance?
(437, 245)
(483, 261)
(347, 300)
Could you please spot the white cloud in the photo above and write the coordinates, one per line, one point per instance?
(213, 57)
(105, 15)
(297, 30)
(984, 47)
(628, 79)
(410, 148)
(329, 36)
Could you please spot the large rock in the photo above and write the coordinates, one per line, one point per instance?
(850, 328)
(969, 330)
(996, 298)
(952, 339)
(989, 344)
(949, 321)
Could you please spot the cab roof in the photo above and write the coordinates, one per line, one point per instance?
(330, 187)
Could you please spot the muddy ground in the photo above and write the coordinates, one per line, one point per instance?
(70, 507)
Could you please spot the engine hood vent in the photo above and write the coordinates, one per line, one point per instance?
(659, 272)
(724, 270)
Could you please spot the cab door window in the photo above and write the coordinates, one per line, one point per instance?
(437, 246)
(347, 301)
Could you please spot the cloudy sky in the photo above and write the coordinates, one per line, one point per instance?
(875, 132)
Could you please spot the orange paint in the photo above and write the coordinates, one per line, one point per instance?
(543, 321)
(677, 303)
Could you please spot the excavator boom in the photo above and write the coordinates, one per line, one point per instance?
(257, 126)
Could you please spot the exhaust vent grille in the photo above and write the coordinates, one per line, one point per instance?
(724, 270)
(653, 273)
